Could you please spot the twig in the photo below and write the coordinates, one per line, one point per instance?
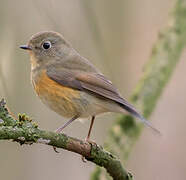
(24, 131)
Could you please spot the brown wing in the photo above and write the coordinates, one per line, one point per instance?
(93, 82)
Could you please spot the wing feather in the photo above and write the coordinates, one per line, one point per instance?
(93, 82)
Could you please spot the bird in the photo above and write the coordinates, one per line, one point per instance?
(70, 84)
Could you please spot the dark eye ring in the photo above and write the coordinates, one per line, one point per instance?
(47, 45)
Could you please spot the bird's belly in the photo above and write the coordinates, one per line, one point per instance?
(66, 101)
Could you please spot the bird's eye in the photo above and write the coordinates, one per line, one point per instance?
(47, 45)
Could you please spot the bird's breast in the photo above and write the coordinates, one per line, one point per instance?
(59, 98)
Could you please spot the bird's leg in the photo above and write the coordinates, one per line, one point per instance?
(87, 139)
(62, 127)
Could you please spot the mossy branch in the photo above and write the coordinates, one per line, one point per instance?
(24, 131)
(158, 70)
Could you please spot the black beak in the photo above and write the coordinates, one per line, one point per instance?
(25, 47)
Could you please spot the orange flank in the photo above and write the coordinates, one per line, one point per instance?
(58, 97)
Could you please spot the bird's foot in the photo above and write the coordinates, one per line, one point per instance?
(90, 142)
(55, 149)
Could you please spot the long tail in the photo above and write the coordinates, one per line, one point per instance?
(128, 107)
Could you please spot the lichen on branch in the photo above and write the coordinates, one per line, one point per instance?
(24, 131)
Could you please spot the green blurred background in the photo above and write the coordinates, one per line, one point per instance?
(117, 36)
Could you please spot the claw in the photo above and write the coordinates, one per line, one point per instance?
(55, 149)
(91, 142)
(83, 159)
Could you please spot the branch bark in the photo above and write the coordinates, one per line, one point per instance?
(158, 70)
(24, 131)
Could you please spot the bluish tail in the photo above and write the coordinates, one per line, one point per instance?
(136, 114)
